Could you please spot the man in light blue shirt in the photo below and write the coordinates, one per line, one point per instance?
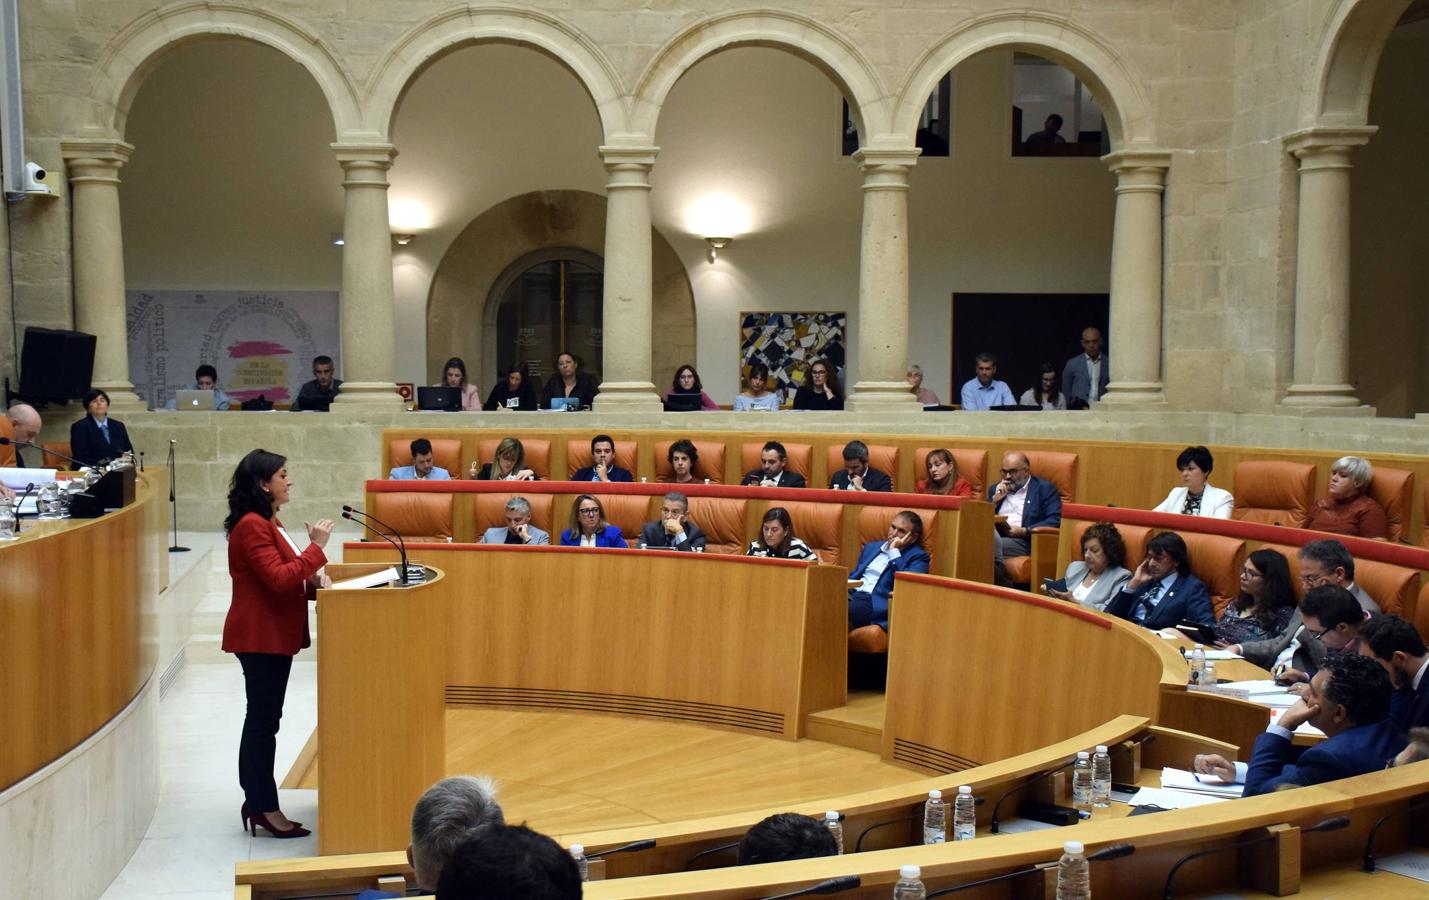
(422, 468)
(983, 392)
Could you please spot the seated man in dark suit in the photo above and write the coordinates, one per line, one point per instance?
(857, 474)
(603, 467)
(1396, 645)
(773, 469)
(1162, 591)
(1331, 618)
(1348, 700)
(871, 581)
(674, 531)
(1028, 502)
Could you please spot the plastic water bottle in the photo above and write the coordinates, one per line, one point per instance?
(1208, 677)
(1198, 664)
(1101, 778)
(835, 827)
(1074, 878)
(910, 884)
(8, 521)
(935, 819)
(964, 814)
(582, 864)
(1082, 782)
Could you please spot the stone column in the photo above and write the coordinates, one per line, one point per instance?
(1321, 376)
(367, 305)
(99, 262)
(1134, 348)
(625, 362)
(883, 284)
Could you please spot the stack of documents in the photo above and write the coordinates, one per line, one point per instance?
(1181, 789)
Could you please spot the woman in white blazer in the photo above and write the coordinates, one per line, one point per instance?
(1195, 497)
(1101, 572)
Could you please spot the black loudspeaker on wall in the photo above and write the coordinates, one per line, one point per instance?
(56, 365)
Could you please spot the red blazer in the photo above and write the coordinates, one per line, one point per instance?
(269, 612)
(961, 488)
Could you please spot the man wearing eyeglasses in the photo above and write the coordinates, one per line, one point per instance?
(1028, 502)
(1321, 562)
(1332, 618)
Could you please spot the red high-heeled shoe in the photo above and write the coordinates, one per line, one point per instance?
(251, 821)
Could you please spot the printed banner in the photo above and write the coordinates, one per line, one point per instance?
(262, 343)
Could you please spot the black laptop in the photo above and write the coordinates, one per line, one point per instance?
(439, 399)
(682, 403)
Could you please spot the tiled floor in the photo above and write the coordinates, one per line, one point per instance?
(196, 837)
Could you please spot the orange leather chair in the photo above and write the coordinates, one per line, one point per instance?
(972, 466)
(1217, 560)
(1424, 538)
(798, 458)
(628, 512)
(7, 452)
(446, 453)
(1418, 615)
(722, 520)
(1273, 492)
(49, 460)
(873, 526)
(820, 525)
(1134, 537)
(1393, 587)
(710, 465)
(538, 455)
(1394, 490)
(578, 457)
(415, 516)
(882, 458)
(491, 512)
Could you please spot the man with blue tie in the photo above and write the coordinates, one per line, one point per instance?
(97, 438)
(1028, 502)
(1162, 592)
(1398, 648)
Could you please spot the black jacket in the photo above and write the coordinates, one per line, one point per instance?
(86, 442)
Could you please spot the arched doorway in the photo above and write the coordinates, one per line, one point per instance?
(546, 303)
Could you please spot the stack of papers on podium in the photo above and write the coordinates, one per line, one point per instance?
(1182, 780)
(376, 579)
(1266, 693)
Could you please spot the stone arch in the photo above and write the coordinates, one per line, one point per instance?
(128, 60)
(460, 25)
(1062, 40)
(462, 299)
(830, 51)
(1352, 41)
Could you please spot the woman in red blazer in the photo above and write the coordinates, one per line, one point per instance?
(267, 621)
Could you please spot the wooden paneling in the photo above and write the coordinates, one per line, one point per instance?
(73, 598)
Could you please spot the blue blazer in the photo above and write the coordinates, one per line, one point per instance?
(1409, 708)
(1276, 761)
(1043, 506)
(913, 559)
(610, 537)
(1187, 600)
(587, 473)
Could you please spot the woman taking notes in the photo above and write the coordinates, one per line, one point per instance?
(267, 621)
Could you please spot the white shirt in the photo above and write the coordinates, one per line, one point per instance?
(587, 540)
(1082, 590)
(1165, 584)
(291, 543)
(1013, 504)
(1418, 677)
(886, 555)
(1094, 370)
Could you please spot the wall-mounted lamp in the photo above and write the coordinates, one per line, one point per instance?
(336, 239)
(403, 240)
(716, 245)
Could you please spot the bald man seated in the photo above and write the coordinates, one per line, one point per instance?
(19, 423)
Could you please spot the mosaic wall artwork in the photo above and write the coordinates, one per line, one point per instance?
(788, 343)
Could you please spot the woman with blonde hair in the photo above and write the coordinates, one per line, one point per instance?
(508, 463)
(588, 527)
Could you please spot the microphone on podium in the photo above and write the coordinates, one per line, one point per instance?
(631, 847)
(29, 489)
(1115, 851)
(6, 442)
(827, 886)
(348, 512)
(1334, 823)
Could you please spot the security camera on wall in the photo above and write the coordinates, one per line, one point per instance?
(35, 176)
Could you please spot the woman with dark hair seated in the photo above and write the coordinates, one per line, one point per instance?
(1265, 604)
(777, 540)
(942, 471)
(589, 527)
(569, 382)
(1195, 496)
(512, 392)
(822, 391)
(1347, 508)
(97, 438)
(267, 622)
(1044, 393)
(1101, 572)
(756, 397)
(687, 384)
(454, 376)
(683, 458)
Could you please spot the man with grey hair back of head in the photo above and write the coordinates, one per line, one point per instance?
(449, 813)
(519, 529)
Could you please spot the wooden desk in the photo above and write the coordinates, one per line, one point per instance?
(72, 648)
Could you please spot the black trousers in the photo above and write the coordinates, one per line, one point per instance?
(265, 680)
(860, 609)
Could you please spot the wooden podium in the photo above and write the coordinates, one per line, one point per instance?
(381, 707)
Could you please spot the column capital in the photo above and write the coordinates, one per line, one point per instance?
(364, 152)
(628, 157)
(1131, 160)
(95, 160)
(1320, 140)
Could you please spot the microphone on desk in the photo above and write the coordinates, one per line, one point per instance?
(631, 847)
(827, 886)
(29, 489)
(1369, 863)
(996, 817)
(348, 512)
(6, 442)
(1334, 823)
(1114, 851)
(712, 850)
